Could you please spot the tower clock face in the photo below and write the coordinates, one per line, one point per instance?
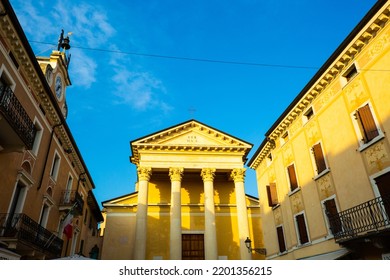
(58, 87)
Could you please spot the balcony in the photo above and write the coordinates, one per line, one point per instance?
(70, 199)
(362, 221)
(23, 235)
(17, 130)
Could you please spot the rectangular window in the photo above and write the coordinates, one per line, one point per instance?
(292, 177)
(308, 115)
(38, 137)
(272, 195)
(68, 189)
(302, 230)
(319, 158)
(281, 241)
(284, 138)
(367, 124)
(55, 167)
(332, 216)
(350, 73)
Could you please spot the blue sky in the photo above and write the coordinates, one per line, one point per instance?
(245, 62)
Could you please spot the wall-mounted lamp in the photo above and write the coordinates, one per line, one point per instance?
(248, 244)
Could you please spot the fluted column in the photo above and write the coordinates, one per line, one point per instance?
(144, 174)
(175, 234)
(210, 242)
(238, 175)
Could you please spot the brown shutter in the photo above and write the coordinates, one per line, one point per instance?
(293, 177)
(319, 158)
(333, 218)
(282, 244)
(369, 129)
(272, 195)
(303, 237)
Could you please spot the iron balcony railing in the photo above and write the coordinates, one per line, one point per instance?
(24, 229)
(72, 199)
(15, 114)
(366, 218)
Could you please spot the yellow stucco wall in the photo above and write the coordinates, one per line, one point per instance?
(351, 167)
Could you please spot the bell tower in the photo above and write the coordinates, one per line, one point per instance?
(56, 72)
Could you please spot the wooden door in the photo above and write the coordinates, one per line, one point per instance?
(193, 247)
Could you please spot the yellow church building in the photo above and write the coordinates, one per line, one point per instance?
(189, 200)
(323, 169)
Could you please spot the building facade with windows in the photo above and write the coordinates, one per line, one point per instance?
(43, 178)
(189, 201)
(323, 169)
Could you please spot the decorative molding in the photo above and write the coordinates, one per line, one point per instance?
(208, 174)
(356, 47)
(144, 173)
(238, 174)
(176, 173)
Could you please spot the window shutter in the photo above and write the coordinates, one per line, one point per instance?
(293, 177)
(332, 214)
(272, 195)
(282, 244)
(319, 158)
(369, 129)
(303, 237)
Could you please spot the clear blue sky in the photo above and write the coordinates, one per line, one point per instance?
(128, 79)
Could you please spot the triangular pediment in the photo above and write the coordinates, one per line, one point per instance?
(189, 137)
(192, 134)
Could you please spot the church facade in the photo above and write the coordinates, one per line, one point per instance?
(189, 201)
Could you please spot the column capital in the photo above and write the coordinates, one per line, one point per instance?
(208, 174)
(144, 173)
(176, 173)
(238, 174)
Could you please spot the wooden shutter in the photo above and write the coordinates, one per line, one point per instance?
(302, 232)
(369, 129)
(282, 244)
(272, 195)
(292, 176)
(332, 214)
(319, 158)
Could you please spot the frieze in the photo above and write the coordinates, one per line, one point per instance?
(377, 157)
(325, 186)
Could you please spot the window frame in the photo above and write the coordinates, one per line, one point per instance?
(319, 160)
(297, 187)
(360, 130)
(272, 195)
(298, 227)
(55, 167)
(38, 137)
(283, 237)
(326, 218)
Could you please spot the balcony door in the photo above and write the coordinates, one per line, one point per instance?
(383, 184)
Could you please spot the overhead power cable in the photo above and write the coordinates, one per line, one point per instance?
(187, 58)
(203, 59)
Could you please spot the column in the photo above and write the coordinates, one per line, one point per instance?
(144, 174)
(175, 234)
(238, 175)
(210, 236)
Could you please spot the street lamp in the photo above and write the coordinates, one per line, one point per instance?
(248, 244)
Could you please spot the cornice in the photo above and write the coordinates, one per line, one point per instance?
(12, 34)
(330, 74)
